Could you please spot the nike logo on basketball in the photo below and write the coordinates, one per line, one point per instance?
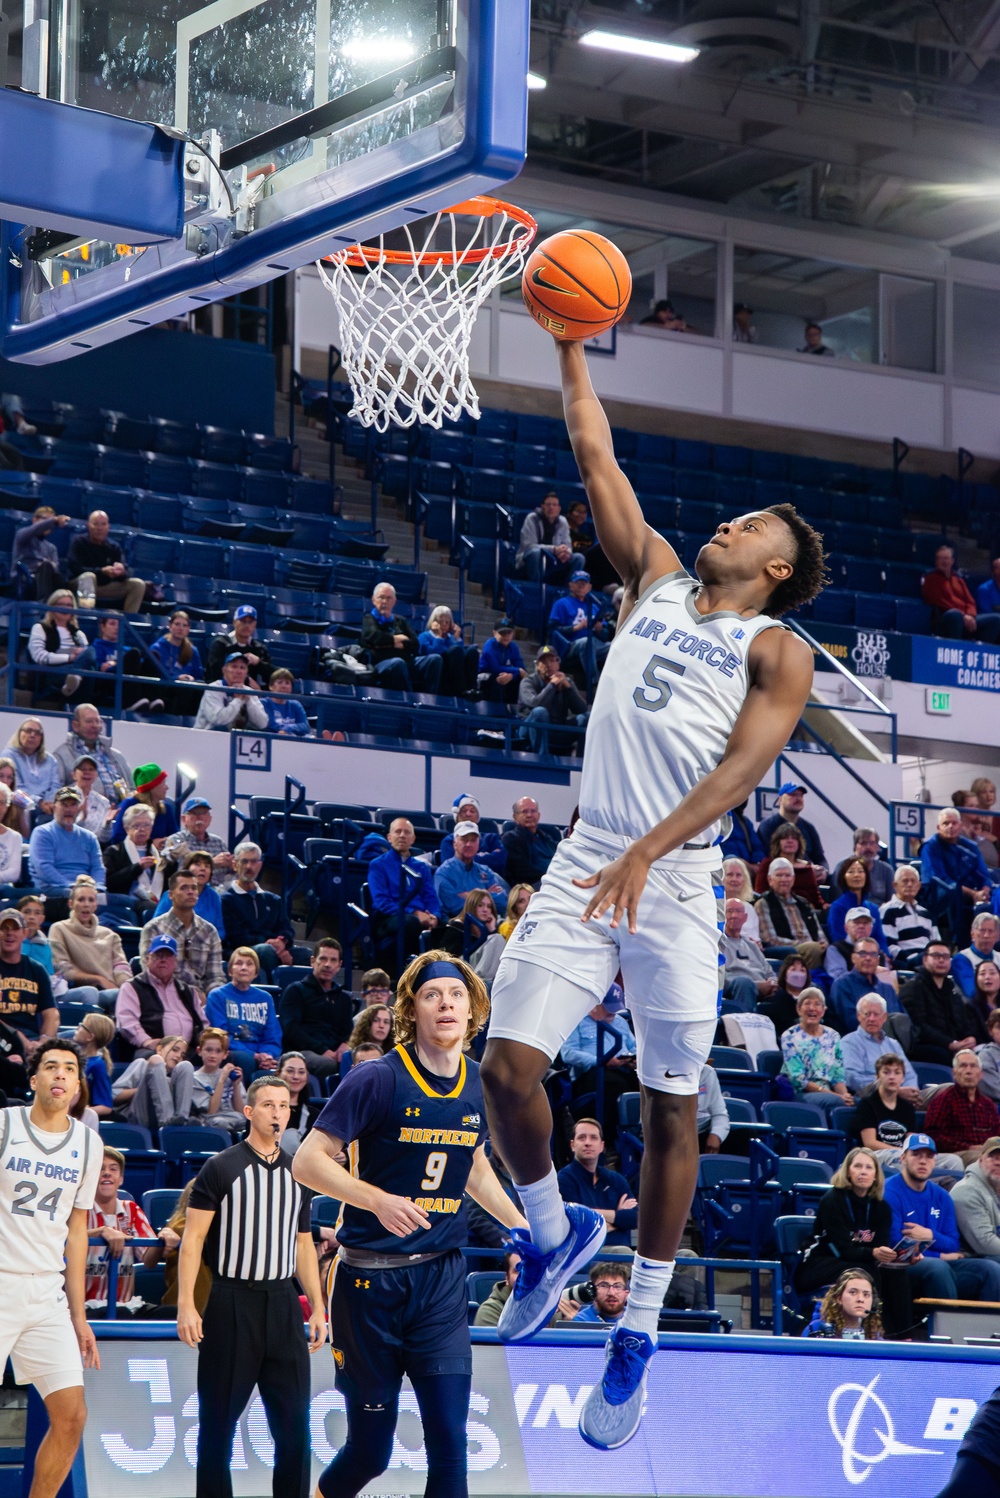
(538, 279)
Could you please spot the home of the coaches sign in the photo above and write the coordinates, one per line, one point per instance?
(877, 653)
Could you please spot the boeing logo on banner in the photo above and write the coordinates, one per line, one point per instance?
(948, 1421)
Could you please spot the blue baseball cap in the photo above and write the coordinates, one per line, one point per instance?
(195, 803)
(235, 655)
(788, 787)
(919, 1142)
(245, 611)
(163, 943)
(579, 577)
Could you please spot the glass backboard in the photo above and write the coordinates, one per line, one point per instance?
(327, 121)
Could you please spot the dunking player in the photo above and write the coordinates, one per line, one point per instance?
(415, 1123)
(700, 692)
(49, 1169)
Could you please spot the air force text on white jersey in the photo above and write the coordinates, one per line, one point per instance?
(672, 687)
(43, 1177)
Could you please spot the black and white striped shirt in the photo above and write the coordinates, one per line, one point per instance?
(259, 1208)
(908, 928)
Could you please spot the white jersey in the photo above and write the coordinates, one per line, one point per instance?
(43, 1177)
(674, 683)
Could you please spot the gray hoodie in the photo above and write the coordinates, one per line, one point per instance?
(977, 1210)
(533, 534)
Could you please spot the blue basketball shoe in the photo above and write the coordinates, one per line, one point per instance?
(542, 1278)
(612, 1414)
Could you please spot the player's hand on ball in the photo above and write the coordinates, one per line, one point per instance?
(88, 1344)
(619, 886)
(400, 1216)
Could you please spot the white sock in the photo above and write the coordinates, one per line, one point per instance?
(546, 1214)
(649, 1284)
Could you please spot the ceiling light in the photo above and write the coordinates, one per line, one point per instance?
(638, 46)
(535, 81)
(387, 49)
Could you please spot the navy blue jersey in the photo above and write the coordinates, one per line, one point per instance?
(412, 1134)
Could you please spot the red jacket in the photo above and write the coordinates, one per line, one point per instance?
(948, 593)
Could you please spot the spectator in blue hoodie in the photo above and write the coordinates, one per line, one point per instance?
(459, 661)
(501, 666)
(579, 627)
(247, 1014)
(923, 1215)
(954, 874)
(285, 717)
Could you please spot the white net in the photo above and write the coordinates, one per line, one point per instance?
(406, 316)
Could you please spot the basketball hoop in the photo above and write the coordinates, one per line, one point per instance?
(406, 315)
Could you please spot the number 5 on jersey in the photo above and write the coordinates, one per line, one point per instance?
(660, 691)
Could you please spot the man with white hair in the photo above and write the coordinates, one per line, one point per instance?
(858, 925)
(907, 925)
(961, 1116)
(255, 917)
(864, 1045)
(748, 976)
(394, 649)
(984, 937)
(787, 922)
(954, 874)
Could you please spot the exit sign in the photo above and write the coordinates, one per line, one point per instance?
(938, 701)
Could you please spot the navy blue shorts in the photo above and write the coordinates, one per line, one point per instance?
(385, 1323)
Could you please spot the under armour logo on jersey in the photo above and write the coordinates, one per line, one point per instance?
(360, 1284)
(413, 1112)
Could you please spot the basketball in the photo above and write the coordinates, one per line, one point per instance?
(576, 284)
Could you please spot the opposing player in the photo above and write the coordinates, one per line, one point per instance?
(414, 1123)
(49, 1168)
(700, 691)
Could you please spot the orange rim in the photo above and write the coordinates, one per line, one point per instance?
(360, 256)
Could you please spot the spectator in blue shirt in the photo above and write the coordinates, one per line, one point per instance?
(579, 1053)
(285, 717)
(922, 1213)
(60, 850)
(861, 982)
(462, 873)
(984, 937)
(173, 652)
(954, 875)
(209, 905)
(988, 593)
(587, 1181)
(420, 905)
(247, 1014)
(501, 666)
(579, 628)
(491, 849)
(852, 879)
(610, 1284)
(459, 662)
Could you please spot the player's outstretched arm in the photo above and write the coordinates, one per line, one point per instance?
(314, 1165)
(485, 1189)
(781, 673)
(632, 547)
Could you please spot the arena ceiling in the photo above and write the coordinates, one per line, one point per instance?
(880, 114)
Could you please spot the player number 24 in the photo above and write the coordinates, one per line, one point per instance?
(435, 1168)
(659, 692)
(25, 1193)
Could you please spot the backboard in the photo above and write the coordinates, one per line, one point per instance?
(327, 122)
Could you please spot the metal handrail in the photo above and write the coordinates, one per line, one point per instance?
(832, 660)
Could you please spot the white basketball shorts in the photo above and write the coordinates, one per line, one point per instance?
(36, 1332)
(670, 967)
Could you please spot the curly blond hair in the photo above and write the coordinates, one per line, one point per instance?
(403, 1014)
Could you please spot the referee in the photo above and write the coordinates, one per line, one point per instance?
(249, 1220)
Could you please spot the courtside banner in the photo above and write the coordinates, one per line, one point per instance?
(723, 1419)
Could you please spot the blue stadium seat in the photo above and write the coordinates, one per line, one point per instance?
(159, 1205)
(203, 558)
(154, 554)
(731, 1057)
(689, 454)
(169, 475)
(129, 469)
(912, 617)
(732, 460)
(834, 606)
(214, 481)
(221, 446)
(173, 438)
(874, 611)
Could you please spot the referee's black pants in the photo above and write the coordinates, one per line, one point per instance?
(253, 1334)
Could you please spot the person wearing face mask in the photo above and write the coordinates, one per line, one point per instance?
(793, 977)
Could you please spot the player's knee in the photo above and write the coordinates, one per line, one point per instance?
(67, 1415)
(668, 1118)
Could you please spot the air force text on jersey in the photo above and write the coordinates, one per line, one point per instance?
(714, 655)
(44, 1168)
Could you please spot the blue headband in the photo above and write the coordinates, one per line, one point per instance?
(440, 970)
